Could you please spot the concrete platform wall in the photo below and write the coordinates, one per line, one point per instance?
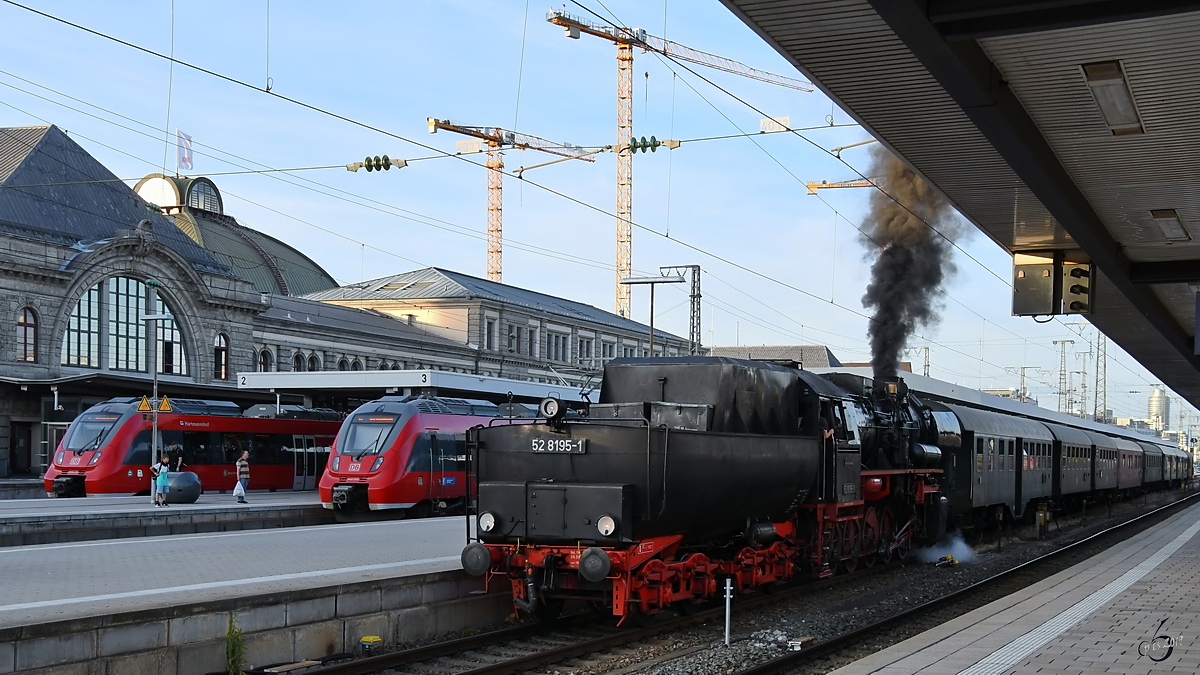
(190, 639)
(34, 529)
(21, 488)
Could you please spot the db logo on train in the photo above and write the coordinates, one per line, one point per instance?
(1159, 647)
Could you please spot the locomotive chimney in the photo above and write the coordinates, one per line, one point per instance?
(890, 387)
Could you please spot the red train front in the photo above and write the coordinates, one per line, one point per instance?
(403, 453)
(107, 450)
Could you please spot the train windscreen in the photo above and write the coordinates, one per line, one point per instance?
(89, 432)
(367, 434)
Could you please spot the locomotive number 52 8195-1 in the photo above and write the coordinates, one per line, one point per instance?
(576, 446)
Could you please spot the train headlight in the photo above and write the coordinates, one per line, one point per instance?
(59, 458)
(337, 462)
(606, 525)
(95, 458)
(487, 521)
(551, 408)
(378, 463)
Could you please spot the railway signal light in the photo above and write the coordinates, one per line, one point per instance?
(1077, 288)
(377, 163)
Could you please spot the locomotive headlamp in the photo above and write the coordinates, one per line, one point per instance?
(59, 459)
(606, 525)
(487, 521)
(95, 458)
(378, 463)
(337, 462)
(891, 388)
(551, 408)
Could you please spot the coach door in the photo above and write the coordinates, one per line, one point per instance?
(437, 468)
(304, 463)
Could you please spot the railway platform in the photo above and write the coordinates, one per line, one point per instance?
(51, 521)
(1134, 608)
(163, 604)
(67, 581)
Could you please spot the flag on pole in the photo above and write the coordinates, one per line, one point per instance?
(184, 158)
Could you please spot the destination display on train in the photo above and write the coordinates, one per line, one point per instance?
(569, 446)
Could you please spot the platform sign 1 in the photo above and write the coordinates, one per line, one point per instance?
(144, 406)
(164, 406)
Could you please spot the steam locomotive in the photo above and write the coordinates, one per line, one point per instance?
(697, 469)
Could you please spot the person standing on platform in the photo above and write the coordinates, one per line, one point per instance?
(162, 484)
(243, 472)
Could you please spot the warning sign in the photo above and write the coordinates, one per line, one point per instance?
(164, 405)
(144, 406)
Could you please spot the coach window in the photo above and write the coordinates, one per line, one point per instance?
(232, 446)
(221, 357)
(421, 457)
(139, 450)
(27, 336)
(991, 454)
(1012, 459)
(979, 454)
(298, 363)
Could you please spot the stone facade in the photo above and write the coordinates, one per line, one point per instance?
(80, 239)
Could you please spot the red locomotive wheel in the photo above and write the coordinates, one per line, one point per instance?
(887, 531)
(870, 538)
(850, 545)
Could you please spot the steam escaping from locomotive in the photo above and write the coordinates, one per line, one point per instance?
(949, 545)
(913, 258)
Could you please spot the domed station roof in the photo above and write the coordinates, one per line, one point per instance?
(270, 264)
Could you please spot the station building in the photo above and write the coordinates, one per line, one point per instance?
(83, 257)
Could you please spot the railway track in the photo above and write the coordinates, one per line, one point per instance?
(529, 646)
(920, 617)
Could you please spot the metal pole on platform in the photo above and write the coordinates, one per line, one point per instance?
(152, 328)
(728, 603)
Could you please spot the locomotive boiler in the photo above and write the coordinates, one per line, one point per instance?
(690, 470)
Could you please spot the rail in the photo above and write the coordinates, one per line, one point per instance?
(791, 660)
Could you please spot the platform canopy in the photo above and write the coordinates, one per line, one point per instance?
(1052, 125)
(375, 383)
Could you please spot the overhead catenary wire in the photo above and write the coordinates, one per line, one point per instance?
(838, 157)
(309, 106)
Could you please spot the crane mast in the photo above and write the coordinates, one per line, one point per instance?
(496, 140)
(626, 40)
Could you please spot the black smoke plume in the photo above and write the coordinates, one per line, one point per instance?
(913, 260)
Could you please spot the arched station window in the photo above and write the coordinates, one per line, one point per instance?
(357, 365)
(298, 363)
(106, 329)
(265, 361)
(221, 357)
(343, 364)
(314, 364)
(27, 337)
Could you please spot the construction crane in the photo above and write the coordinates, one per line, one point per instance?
(496, 140)
(626, 40)
(813, 187)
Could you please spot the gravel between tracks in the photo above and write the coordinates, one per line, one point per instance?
(763, 633)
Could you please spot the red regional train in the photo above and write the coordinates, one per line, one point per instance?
(107, 449)
(406, 455)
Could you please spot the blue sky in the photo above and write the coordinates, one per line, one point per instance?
(390, 65)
